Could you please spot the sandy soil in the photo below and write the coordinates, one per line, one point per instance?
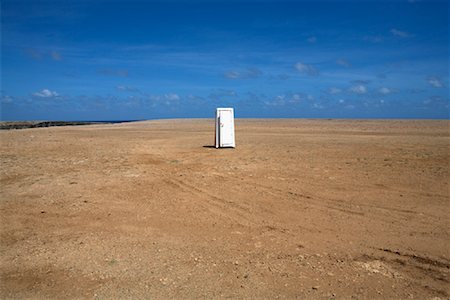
(300, 209)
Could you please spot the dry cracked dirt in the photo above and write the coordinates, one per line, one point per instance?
(300, 209)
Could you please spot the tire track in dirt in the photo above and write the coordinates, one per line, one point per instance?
(220, 206)
(417, 269)
(308, 200)
(441, 263)
(339, 204)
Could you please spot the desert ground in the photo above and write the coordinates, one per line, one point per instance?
(299, 209)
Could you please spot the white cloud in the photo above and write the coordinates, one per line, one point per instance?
(232, 74)
(285, 99)
(154, 97)
(254, 72)
(6, 99)
(334, 91)
(171, 97)
(195, 98)
(220, 95)
(166, 99)
(132, 101)
(318, 106)
(399, 33)
(306, 69)
(277, 101)
(341, 101)
(127, 88)
(358, 89)
(312, 39)
(246, 74)
(436, 100)
(45, 93)
(343, 62)
(385, 90)
(435, 82)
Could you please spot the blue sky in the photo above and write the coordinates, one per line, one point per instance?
(108, 60)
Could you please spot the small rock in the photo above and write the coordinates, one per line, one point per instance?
(316, 287)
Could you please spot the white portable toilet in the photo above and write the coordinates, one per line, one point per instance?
(225, 128)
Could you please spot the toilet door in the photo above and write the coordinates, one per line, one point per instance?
(226, 130)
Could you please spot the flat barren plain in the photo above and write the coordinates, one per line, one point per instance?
(300, 209)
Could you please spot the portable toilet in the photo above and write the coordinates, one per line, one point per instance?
(225, 128)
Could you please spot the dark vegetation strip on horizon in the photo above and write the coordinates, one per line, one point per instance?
(7, 125)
